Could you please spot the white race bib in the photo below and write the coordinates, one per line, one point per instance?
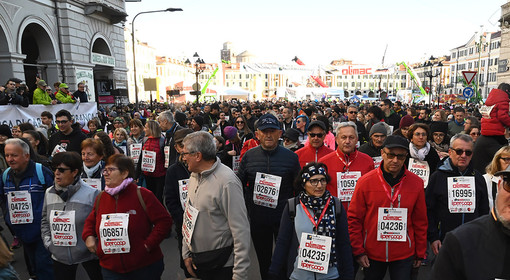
(93, 182)
(236, 162)
(345, 183)
(58, 149)
(148, 161)
(113, 232)
(188, 223)
(377, 162)
(134, 151)
(461, 194)
(485, 111)
(63, 228)
(420, 168)
(217, 131)
(167, 156)
(123, 148)
(20, 207)
(392, 224)
(314, 251)
(183, 192)
(266, 190)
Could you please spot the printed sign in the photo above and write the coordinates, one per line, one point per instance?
(377, 161)
(346, 182)
(236, 162)
(461, 194)
(188, 224)
(134, 151)
(314, 252)
(266, 190)
(113, 232)
(392, 224)
(420, 168)
(183, 191)
(93, 182)
(148, 161)
(63, 228)
(20, 207)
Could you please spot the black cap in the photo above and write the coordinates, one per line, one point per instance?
(268, 121)
(292, 134)
(180, 134)
(317, 123)
(504, 173)
(396, 141)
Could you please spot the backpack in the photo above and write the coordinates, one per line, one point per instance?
(38, 169)
(292, 207)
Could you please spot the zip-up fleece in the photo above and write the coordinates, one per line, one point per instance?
(146, 230)
(310, 154)
(368, 196)
(80, 199)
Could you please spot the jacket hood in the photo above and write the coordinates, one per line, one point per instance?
(447, 166)
(496, 96)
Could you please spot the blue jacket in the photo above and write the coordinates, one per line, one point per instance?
(28, 233)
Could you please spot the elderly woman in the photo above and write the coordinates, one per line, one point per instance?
(422, 159)
(312, 216)
(119, 140)
(135, 140)
(500, 162)
(134, 218)
(66, 206)
(92, 155)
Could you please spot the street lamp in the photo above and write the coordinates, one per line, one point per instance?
(198, 70)
(431, 75)
(133, 38)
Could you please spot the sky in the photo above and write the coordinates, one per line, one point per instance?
(317, 32)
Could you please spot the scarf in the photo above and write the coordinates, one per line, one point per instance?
(327, 226)
(421, 153)
(119, 188)
(443, 147)
(92, 170)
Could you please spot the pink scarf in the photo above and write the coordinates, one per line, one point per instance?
(119, 188)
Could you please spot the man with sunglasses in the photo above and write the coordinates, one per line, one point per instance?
(456, 193)
(41, 96)
(388, 216)
(314, 149)
(352, 116)
(69, 135)
(479, 249)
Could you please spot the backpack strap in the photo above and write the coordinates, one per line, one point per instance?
(97, 201)
(338, 206)
(4, 175)
(292, 207)
(40, 175)
(140, 198)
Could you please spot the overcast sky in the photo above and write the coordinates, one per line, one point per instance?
(316, 31)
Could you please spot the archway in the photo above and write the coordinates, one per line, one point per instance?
(5, 61)
(103, 70)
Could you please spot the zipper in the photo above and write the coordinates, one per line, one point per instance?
(316, 152)
(365, 241)
(387, 251)
(408, 238)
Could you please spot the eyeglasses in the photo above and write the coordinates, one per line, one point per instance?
(398, 156)
(315, 182)
(48, 90)
(61, 169)
(319, 135)
(505, 159)
(352, 112)
(188, 153)
(418, 134)
(109, 170)
(459, 152)
(506, 184)
(61, 122)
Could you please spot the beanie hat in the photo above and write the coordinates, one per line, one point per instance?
(439, 127)
(229, 132)
(180, 117)
(199, 120)
(5, 130)
(406, 121)
(378, 128)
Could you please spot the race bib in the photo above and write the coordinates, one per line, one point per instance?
(420, 168)
(217, 131)
(183, 192)
(314, 253)
(188, 223)
(148, 161)
(236, 162)
(58, 149)
(485, 111)
(20, 207)
(345, 183)
(123, 148)
(335, 125)
(377, 162)
(93, 182)
(266, 189)
(461, 194)
(167, 156)
(134, 151)
(392, 224)
(113, 232)
(63, 228)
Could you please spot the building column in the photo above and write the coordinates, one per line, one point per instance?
(504, 51)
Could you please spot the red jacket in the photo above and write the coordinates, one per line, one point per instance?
(370, 194)
(145, 228)
(358, 162)
(152, 144)
(498, 119)
(310, 154)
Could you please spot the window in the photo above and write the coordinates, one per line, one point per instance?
(495, 61)
(483, 63)
(247, 76)
(353, 84)
(470, 64)
(246, 84)
(339, 84)
(453, 55)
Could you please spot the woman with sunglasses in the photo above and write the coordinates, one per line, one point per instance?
(422, 159)
(244, 131)
(66, 206)
(310, 218)
(301, 124)
(135, 219)
(500, 162)
(474, 132)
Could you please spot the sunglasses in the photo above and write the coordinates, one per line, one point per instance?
(319, 135)
(61, 122)
(398, 156)
(506, 183)
(239, 122)
(459, 152)
(505, 159)
(352, 112)
(61, 169)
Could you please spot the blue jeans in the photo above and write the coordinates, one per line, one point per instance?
(40, 258)
(150, 272)
(399, 270)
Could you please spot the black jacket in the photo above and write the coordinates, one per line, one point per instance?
(71, 142)
(369, 149)
(174, 173)
(432, 158)
(13, 98)
(169, 141)
(280, 162)
(441, 221)
(477, 250)
(81, 95)
(393, 119)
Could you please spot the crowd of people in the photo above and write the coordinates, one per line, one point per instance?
(323, 190)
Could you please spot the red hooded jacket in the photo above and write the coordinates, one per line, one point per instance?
(495, 122)
(310, 154)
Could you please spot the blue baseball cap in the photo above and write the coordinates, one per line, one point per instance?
(268, 121)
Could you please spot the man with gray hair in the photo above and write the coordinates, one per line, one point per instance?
(22, 188)
(456, 193)
(169, 127)
(215, 229)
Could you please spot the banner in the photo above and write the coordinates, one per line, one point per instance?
(86, 76)
(15, 114)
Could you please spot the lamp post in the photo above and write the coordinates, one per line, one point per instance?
(431, 75)
(133, 39)
(198, 70)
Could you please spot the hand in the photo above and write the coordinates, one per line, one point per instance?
(231, 153)
(90, 242)
(436, 245)
(363, 261)
(189, 266)
(416, 263)
(53, 102)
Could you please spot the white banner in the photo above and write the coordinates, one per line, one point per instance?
(86, 76)
(14, 114)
